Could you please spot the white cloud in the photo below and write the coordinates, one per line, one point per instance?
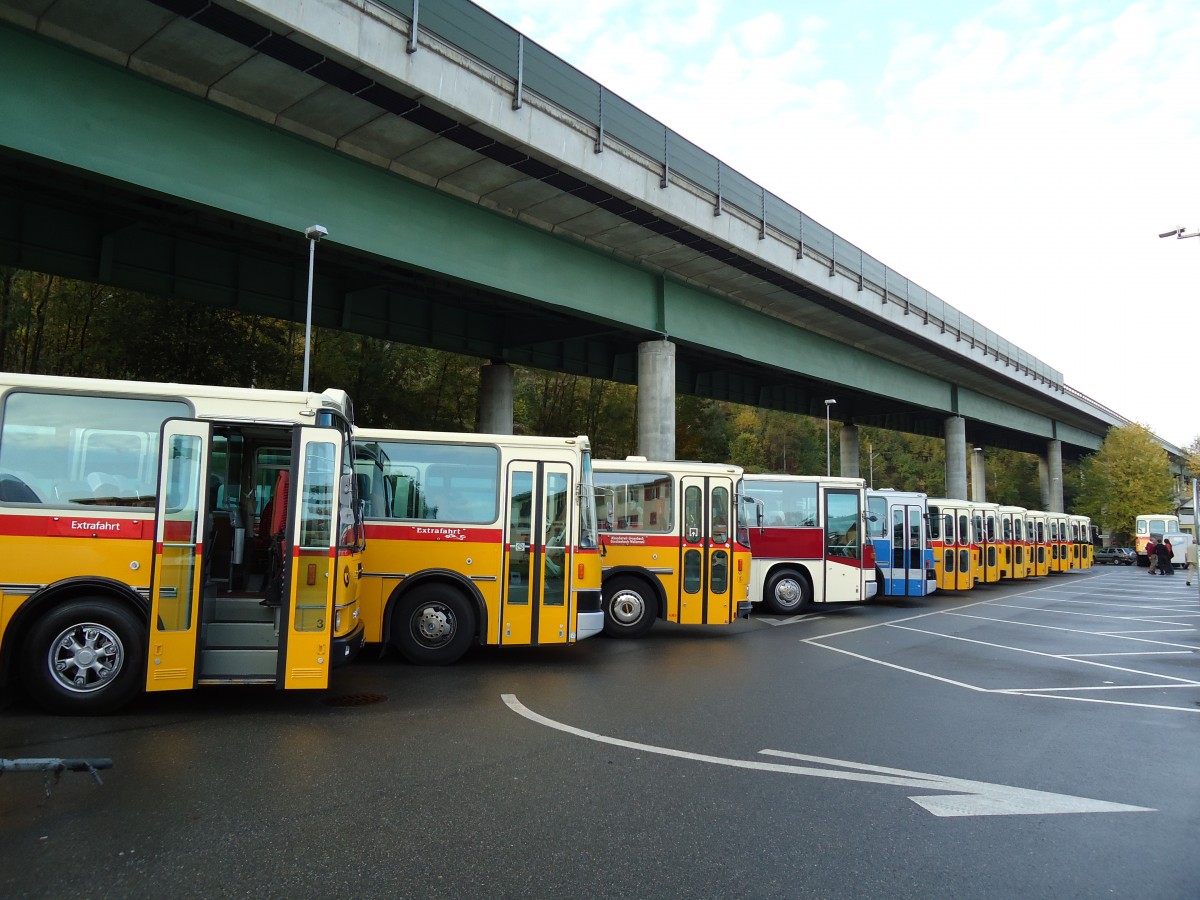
(1018, 161)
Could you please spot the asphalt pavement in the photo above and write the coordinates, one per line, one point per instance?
(1033, 739)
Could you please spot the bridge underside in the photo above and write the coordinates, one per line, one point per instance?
(72, 224)
(109, 177)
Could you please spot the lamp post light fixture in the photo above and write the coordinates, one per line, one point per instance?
(828, 464)
(314, 233)
(1180, 233)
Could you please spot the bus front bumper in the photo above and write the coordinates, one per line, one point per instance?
(744, 608)
(589, 624)
(872, 588)
(345, 649)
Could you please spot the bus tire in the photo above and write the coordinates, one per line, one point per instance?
(85, 658)
(433, 626)
(630, 608)
(787, 592)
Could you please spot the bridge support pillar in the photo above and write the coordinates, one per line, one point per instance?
(496, 399)
(849, 451)
(656, 400)
(956, 458)
(978, 475)
(1050, 470)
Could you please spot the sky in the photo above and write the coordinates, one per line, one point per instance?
(1017, 159)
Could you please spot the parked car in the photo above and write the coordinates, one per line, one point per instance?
(1117, 556)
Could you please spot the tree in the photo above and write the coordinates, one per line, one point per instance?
(1130, 474)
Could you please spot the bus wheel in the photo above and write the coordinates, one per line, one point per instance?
(787, 592)
(85, 658)
(433, 626)
(629, 608)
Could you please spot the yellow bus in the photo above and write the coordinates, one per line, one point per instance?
(1058, 525)
(671, 547)
(1037, 532)
(1083, 541)
(1014, 542)
(163, 536)
(476, 538)
(986, 541)
(954, 557)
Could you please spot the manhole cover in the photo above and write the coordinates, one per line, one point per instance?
(356, 700)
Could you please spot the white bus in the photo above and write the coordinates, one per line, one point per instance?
(808, 541)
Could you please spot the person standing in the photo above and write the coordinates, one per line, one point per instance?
(1150, 555)
(1163, 551)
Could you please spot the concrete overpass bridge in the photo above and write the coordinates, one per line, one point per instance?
(483, 197)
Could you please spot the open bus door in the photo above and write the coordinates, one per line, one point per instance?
(310, 559)
(175, 579)
(308, 565)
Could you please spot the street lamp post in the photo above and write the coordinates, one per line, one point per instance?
(314, 233)
(828, 464)
(1179, 234)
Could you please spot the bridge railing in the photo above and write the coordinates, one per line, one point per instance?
(533, 68)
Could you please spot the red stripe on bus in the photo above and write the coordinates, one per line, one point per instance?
(433, 533)
(76, 526)
(637, 539)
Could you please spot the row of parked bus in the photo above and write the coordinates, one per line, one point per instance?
(159, 536)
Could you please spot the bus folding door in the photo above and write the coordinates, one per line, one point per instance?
(844, 573)
(309, 562)
(538, 604)
(908, 551)
(175, 582)
(1060, 544)
(706, 590)
(990, 556)
(957, 570)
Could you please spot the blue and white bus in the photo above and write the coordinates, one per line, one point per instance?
(898, 528)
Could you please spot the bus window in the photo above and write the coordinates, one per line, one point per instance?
(84, 450)
(877, 524)
(636, 501)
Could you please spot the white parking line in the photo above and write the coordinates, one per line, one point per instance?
(1070, 612)
(1132, 653)
(1149, 631)
(1069, 630)
(1084, 662)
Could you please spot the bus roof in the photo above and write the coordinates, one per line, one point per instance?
(469, 437)
(687, 467)
(207, 400)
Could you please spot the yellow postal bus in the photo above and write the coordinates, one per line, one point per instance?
(671, 548)
(162, 536)
(476, 538)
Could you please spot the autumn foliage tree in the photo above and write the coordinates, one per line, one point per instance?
(1129, 475)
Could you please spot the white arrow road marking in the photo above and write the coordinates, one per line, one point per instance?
(793, 620)
(970, 798)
